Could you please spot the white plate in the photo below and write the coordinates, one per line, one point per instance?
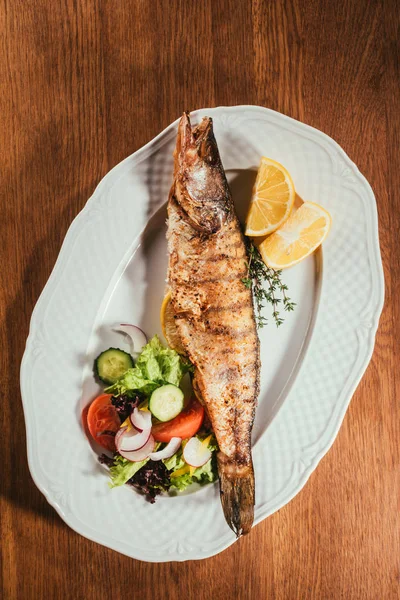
(107, 271)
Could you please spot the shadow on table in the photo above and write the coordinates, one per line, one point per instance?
(17, 484)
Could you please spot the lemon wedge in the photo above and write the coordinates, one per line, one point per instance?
(272, 199)
(299, 236)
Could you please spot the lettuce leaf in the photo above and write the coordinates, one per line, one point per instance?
(205, 474)
(155, 366)
(175, 462)
(181, 482)
(123, 469)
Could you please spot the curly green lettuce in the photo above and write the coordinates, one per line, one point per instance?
(123, 469)
(155, 366)
(205, 474)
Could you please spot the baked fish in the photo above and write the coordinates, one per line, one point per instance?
(213, 309)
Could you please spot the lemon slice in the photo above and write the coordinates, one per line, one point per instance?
(302, 233)
(168, 325)
(272, 199)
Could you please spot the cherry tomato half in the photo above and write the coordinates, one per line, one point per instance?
(185, 425)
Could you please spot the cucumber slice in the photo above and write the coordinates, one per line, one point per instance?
(166, 402)
(111, 364)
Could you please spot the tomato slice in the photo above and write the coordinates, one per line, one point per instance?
(103, 421)
(185, 425)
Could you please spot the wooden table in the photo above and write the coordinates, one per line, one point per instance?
(83, 85)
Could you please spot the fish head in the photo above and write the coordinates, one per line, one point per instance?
(200, 185)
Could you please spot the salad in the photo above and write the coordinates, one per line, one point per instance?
(160, 441)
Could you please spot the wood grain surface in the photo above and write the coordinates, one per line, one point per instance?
(84, 83)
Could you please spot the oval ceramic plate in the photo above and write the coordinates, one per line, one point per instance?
(112, 267)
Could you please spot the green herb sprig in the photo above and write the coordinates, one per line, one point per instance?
(267, 287)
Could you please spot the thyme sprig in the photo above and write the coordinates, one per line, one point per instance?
(274, 292)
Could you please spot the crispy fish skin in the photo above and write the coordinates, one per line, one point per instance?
(214, 310)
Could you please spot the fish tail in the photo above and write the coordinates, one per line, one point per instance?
(237, 493)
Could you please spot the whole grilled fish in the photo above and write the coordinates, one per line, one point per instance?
(213, 309)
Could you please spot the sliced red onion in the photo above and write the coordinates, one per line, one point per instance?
(136, 336)
(118, 435)
(169, 450)
(141, 419)
(142, 453)
(133, 440)
(195, 453)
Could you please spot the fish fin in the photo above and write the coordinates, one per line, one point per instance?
(184, 141)
(237, 493)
